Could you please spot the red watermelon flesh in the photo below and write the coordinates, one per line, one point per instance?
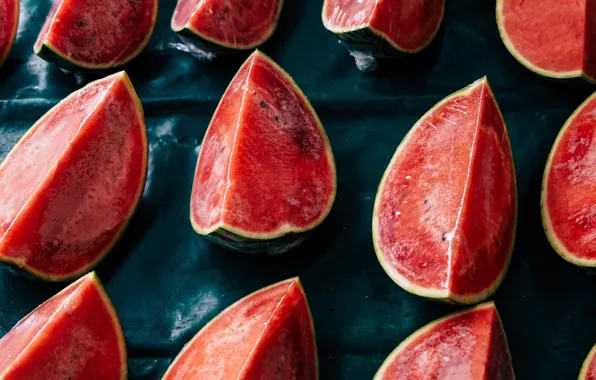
(267, 335)
(265, 168)
(469, 345)
(588, 371)
(73, 335)
(69, 187)
(552, 38)
(237, 24)
(9, 20)
(408, 25)
(444, 217)
(569, 189)
(96, 34)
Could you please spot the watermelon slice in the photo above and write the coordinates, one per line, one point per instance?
(469, 345)
(96, 34)
(267, 335)
(445, 213)
(9, 20)
(588, 371)
(373, 29)
(70, 185)
(552, 38)
(210, 27)
(73, 335)
(265, 174)
(569, 190)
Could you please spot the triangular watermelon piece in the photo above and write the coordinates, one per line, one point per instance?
(267, 335)
(588, 371)
(445, 214)
(469, 345)
(266, 173)
(74, 335)
(71, 184)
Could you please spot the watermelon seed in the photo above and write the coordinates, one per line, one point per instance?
(263, 104)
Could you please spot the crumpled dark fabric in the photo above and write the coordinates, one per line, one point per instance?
(166, 282)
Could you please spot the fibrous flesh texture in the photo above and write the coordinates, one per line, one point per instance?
(96, 34)
(445, 213)
(70, 186)
(469, 345)
(265, 168)
(569, 189)
(407, 25)
(553, 38)
(267, 335)
(9, 19)
(74, 335)
(236, 24)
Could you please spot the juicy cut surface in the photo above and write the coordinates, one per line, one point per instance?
(570, 202)
(235, 23)
(445, 211)
(8, 23)
(74, 335)
(70, 185)
(98, 32)
(551, 35)
(267, 335)
(265, 165)
(409, 24)
(467, 346)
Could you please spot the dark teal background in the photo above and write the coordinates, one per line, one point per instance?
(167, 282)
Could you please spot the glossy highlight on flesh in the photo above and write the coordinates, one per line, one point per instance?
(96, 34)
(235, 24)
(407, 25)
(445, 213)
(569, 188)
(265, 169)
(552, 38)
(71, 184)
(74, 335)
(9, 20)
(267, 335)
(468, 345)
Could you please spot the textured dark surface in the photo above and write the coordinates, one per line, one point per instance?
(167, 282)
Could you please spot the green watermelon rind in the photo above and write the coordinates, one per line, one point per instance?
(442, 295)
(49, 53)
(20, 265)
(428, 327)
(13, 34)
(583, 373)
(574, 74)
(221, 232)
(369, 40)
(211, 45)
(235, 304)
(555, 242)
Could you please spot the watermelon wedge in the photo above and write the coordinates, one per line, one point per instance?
(83, 35)
(373, 29)
(554, 39)
(588, 371)
(9, 20)
(74, 335)
(569, 191)
(267, 335)
(265, 174)
(210, 27)
(445, 213)
(468, 345)
(71, 184)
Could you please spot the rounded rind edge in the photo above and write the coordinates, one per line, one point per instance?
(554, 241)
